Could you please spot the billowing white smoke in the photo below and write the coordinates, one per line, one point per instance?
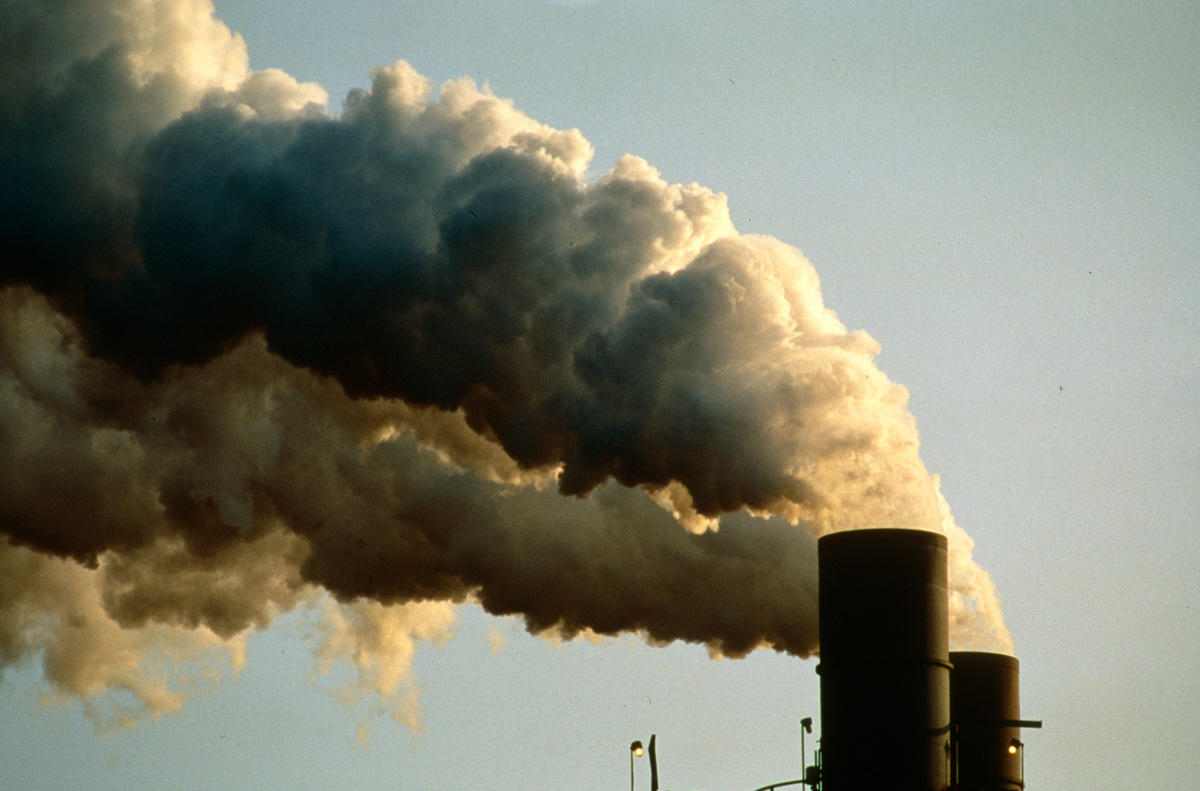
(408, 356)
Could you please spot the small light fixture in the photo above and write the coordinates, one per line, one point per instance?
(635, 749)
(1013, 746)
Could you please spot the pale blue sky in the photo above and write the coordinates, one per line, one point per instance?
(1005, 195)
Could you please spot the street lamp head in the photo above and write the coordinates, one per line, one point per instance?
(636, 748)
(1013, 746)
(806, 724)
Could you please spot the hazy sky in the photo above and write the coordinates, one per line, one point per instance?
(1005, 197)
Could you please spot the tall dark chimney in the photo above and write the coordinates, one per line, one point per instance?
(885, 669)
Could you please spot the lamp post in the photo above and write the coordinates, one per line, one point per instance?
(634, 750)
(805, 727)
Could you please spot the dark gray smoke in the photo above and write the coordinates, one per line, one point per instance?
(251, 351)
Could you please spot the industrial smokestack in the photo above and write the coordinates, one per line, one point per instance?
(985, 710)
(885, 672)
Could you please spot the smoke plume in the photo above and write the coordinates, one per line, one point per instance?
(253, 353)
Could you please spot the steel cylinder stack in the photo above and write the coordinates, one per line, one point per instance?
(985, 710)
(898, 710)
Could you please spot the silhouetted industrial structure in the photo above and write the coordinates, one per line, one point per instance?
(899, 711)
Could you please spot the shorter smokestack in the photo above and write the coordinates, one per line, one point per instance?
(985, 714)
